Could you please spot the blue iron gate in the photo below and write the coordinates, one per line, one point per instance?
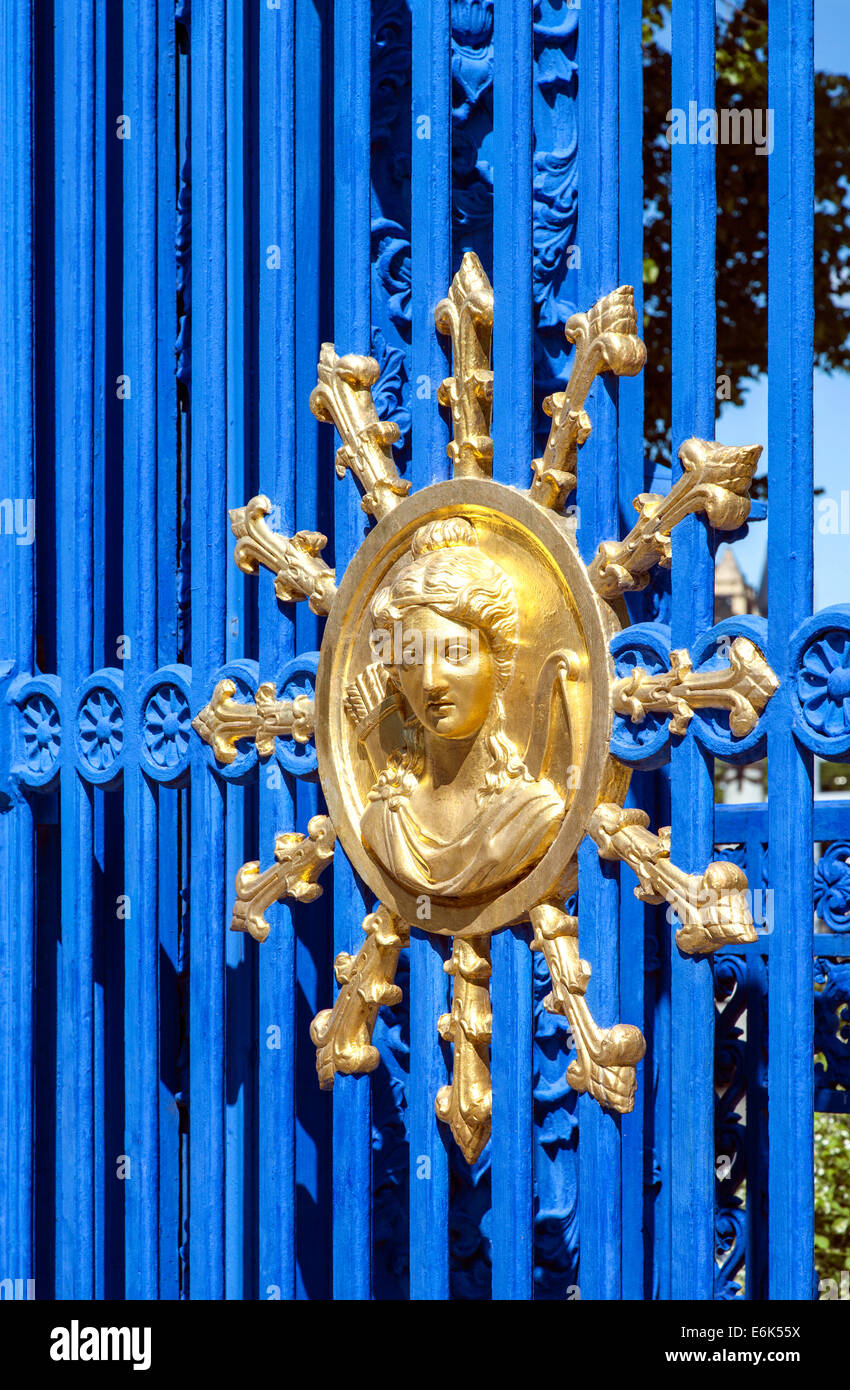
(195, 200)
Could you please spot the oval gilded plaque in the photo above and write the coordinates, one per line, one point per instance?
(463, 708)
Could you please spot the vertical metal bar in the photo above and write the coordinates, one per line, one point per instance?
(169, 158)
(107, 623)
(183, 613)
(630, 462)
(431, 224)
(756, 1137)
(241, 1146)
(240, 1158)
(313, 508)
(631, 453)
(139, 364)
(600, 1155)
(209, 545)
(168, 884)
(352, 1174)
(659, 1050)
(17, 577)
(431, 211)
(789, 560)
(238, 75)
(692, 792)
(513, 448)
(633, 1001)
(168, 526)
(75, 70)
(277, 478)
(630, 470)
(598, 233)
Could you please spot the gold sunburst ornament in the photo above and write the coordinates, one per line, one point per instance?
(464, 704)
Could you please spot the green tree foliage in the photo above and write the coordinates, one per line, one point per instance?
(742, 192)
(832, 1195)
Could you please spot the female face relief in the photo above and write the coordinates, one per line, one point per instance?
(446, 674)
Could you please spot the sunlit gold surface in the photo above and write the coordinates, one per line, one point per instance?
(343, 1034)
(454, 615)
(716, 481)
(225, 721)
(343, 395)
(606, 340)
(743, 688)
(606, 1058)
(466, 314)
(294, 561)
(712, 907)
(411, 800)
(299, 861)
(466, 1105)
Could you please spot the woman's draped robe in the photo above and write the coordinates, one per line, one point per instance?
(508, 834)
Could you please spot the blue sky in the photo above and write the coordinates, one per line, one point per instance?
(832, 35)
(747, 423)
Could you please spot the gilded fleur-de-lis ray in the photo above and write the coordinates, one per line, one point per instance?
(466, 315)
(293, 560)
(343, 397)
(712, 907)
(743, 687)
(299, 860)
(606, 1058)
(716, 481)
(343, 1034)
(606, 340)
(466, 1105)
(225, 721)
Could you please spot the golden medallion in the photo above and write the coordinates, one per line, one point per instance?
(464, 705)
(463, 714)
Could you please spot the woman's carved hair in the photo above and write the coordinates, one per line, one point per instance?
(451, 576)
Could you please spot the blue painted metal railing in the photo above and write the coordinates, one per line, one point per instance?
(430, 268)
(194, 203)
(693, 214)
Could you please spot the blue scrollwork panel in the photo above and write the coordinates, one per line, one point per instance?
(832, 1035)
(821, 691)
(740, 993)
(832, 886)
